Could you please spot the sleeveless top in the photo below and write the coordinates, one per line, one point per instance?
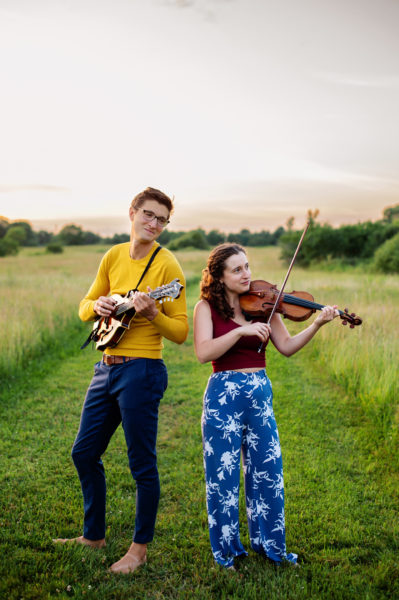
(244, 354)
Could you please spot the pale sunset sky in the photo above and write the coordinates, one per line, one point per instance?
(248, 112)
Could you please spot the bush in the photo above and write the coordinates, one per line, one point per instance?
(117, 238)
(265, 238)
(44, 237)
(242, 237)
(89, 238)
(215, 237)
(4, 225)
(386, 257)
(8, 245)
(71, 235)
(191, 239)
(16, 233)
(349, 243)
(55, 248)
(24, 233)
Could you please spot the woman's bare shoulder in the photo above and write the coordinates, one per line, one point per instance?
(202, 307)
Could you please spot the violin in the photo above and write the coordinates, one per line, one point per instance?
(262, 300)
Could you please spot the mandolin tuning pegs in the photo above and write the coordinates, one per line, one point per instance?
(352, 326)
(353, 314)
(344, 322)
(346, 310)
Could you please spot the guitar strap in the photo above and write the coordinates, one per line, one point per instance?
(148, 265)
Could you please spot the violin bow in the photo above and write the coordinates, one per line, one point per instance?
(286, 277)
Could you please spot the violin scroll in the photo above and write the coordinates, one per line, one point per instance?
(352, 319)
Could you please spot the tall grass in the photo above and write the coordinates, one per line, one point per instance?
(362, 360)
(40, 293)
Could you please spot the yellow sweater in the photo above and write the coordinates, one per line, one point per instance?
(117, 274)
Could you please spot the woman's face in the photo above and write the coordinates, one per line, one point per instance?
(236, 275)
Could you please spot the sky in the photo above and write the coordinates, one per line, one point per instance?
(247, 112)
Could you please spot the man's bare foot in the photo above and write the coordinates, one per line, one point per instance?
(81, 540)
(134, 558)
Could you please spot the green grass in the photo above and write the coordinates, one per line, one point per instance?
(40, 293)
(341, 495)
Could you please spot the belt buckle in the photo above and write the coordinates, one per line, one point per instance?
(108, 359)
(115, 359)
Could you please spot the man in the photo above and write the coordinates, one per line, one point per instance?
(131, 378)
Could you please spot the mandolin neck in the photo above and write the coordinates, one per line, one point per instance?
(128, 303)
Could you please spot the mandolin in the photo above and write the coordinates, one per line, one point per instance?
(108, 331)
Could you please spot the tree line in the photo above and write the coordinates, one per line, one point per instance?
(14, 234)
(375, 242)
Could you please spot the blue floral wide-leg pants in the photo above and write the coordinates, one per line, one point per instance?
(238, 416)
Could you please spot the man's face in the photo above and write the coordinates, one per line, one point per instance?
(145, 224)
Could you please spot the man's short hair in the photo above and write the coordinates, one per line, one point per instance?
(152, 194)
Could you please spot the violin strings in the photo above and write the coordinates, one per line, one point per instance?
(305, 303)
(301, 302)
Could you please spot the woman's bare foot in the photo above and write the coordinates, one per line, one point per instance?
(81, 540)
(135, 557)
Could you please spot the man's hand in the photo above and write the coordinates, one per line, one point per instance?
(104, 306)
(144, 305)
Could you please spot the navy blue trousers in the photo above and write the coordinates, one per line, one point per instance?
(129, 393)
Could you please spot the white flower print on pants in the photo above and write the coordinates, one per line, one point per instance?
(238, 415)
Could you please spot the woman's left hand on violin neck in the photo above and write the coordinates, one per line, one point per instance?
(289, 345)
(327, 314)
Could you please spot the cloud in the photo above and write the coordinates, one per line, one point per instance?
(283, 169)
(206, 8)
(385, 81)
(268, 204)
(314, 172)
(32, 187)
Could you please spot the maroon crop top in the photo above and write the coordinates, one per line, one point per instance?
(244, 354)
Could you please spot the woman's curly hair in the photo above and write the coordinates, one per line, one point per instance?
(211, 288)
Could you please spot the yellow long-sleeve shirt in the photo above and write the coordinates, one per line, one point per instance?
(117, 274)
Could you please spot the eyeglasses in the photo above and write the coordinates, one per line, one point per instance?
(149, 216)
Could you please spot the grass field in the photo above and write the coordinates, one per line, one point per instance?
(336, 404)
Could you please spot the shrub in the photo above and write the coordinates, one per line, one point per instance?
(215, 237)
(191, 239)
(386, 257)
(24, 233)
(4, 225)
(55, 248)
(242, 237)
(16, 233)
(8, 245)
(71, 235)
(349, 243)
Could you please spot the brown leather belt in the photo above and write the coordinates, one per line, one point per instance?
(114, 359)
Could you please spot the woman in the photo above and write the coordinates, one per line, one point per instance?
(238, 412)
